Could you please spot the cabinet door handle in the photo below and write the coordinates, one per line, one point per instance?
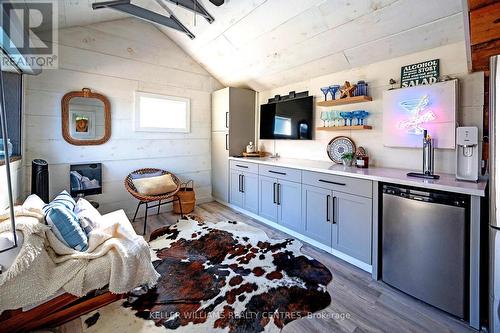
(227, 141)
(242, 183)
(227, 119)
(278, 173)
(239, 183)
(333, 210)
(274, 192)
(279, 194)
(328, 208)
(242, 166)
(330, 182)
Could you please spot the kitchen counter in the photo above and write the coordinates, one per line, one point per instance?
(447, 182)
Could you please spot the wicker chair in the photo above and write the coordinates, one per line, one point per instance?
(162, 199)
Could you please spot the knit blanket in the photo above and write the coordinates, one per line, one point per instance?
(116, 257)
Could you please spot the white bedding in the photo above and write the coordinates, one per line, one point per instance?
(117, 257)
(6, 241)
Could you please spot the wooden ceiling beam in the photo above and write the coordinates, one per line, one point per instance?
(476, 4)
(484, 29)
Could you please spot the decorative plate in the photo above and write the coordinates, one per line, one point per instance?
(339, 146)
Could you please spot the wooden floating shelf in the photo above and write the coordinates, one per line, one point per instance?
(344, 128)
(347, 100)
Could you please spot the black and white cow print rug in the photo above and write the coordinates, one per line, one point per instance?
(223, 277)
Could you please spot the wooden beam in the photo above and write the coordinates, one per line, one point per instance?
(481, 54)
(485, 24)
(476, 4)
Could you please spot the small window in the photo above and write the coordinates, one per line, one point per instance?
(13, 106)
(160, 113)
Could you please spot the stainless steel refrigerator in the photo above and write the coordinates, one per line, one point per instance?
(494, 112)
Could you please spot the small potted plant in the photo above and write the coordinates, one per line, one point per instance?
(347, 159)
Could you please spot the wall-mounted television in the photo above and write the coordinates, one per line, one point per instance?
(287, 120)
(85, 179)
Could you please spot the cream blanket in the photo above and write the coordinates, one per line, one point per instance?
(116, 257)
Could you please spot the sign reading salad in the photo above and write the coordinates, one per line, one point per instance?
(426, 72)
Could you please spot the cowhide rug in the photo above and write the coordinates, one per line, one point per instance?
(223, 277)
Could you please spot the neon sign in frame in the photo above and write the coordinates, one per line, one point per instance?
(408, 111)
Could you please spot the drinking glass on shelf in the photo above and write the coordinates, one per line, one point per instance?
(363, 116)
(330, 118)
(336, 118)
(324, 117)
(350, 115)
(357, 115)
(333, 90)
(325, 91)
(344, 116)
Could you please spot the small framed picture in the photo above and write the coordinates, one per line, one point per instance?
(82, 124)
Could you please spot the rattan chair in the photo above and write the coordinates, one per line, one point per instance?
(162, 199)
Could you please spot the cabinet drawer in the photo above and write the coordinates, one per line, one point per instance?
(244, 166)
(355, 186)
(292, 175)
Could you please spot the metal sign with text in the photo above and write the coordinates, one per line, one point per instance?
(426, 72)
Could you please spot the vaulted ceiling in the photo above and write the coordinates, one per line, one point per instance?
(263, 44)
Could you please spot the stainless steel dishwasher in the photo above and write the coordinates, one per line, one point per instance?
(425, 246)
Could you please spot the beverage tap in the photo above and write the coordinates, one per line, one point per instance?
(428, 155)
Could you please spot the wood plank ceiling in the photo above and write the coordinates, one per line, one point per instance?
(484, 28)
(264, 44)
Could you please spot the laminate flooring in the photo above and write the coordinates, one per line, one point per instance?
(359, 304)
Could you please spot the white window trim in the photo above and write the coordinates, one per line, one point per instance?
(139, 128)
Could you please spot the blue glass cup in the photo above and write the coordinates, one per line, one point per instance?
(357, 116)
(325, 91)
(344, 116)
(363, 116)
(333, 90)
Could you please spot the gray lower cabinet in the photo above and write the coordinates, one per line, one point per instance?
(268, 207)
(280, 201)
(289, 202)
(235, 195)
(317, 214)
(339, 220)
(335, 211)
(352, 231)
(244, 190)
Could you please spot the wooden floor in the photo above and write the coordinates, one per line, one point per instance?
(359, 304)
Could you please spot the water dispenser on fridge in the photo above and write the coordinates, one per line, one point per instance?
(467, 154)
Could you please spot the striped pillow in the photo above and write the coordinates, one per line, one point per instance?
(64, 223)
(65, 200)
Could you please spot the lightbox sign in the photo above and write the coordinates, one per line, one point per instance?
(409, 111)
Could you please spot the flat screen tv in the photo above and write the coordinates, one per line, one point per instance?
(86, 179)
(287, 120)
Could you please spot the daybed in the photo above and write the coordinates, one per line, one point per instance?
(48, 284)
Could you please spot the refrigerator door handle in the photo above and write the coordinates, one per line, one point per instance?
(227, 141)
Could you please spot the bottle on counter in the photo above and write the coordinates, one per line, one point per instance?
(362, 159)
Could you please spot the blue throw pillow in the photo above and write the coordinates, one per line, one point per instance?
(63, 199)
(64, 223)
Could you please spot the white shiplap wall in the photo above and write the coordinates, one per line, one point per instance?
(452, 62)
(16, 176)
(116, 59)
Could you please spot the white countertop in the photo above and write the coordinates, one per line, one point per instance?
(446, 182)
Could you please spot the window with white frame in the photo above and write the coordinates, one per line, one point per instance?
(161, 113)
